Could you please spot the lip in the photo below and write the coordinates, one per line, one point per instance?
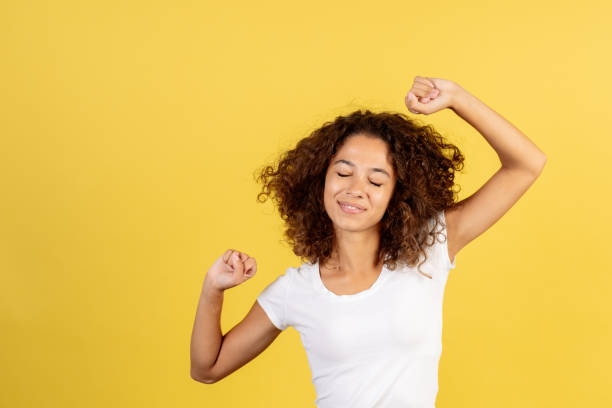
(350, 210)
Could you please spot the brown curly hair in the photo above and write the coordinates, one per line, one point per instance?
(424, 185)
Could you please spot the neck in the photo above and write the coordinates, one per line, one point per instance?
(355, 253)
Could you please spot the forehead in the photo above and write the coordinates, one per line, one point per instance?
(365, 151)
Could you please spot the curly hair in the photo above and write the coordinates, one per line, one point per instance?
(424, 185)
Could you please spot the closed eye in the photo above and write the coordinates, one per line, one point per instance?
(346, 175)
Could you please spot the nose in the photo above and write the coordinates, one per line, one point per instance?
(356, 187)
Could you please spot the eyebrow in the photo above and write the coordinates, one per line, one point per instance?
(353, 165)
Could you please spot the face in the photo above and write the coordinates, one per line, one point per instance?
(360, 175)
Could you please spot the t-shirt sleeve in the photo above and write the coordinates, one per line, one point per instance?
(273, 300)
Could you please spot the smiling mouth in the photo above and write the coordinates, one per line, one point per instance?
(350, 209)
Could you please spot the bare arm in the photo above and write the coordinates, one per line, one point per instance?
(514, 149)
(213, 355)
(521, 160)
(521, 164)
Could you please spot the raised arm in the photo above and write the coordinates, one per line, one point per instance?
(521, 160)
(213, 355)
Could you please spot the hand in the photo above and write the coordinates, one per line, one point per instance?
(231, 269)
(429, 95)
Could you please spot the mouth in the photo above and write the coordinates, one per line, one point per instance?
(349, 208)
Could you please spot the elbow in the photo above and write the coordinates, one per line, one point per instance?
(533, 166)
(540, 165)
(536, 166)
(202, 377)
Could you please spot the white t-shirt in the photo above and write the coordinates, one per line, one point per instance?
(376, 348)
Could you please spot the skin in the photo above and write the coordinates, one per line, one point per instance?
(215, 355)
(357, 236)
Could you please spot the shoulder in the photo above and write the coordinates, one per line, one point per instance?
(441, 244)
(302, 274)
(436, 244)
(296, 273)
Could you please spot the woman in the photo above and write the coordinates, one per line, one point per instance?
(366, 199)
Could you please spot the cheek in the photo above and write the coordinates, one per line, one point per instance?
(382, 200)
(328, 194)
(331, 188)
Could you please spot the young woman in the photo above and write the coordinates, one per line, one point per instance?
(366, 199)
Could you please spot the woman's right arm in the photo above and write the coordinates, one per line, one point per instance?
(213, 355)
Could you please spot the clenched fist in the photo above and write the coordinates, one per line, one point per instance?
(231, 269)
(429, 95)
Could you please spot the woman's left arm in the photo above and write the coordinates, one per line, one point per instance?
(521, 160)
(514, 149)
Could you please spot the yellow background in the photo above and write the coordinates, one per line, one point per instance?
(129, 135)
